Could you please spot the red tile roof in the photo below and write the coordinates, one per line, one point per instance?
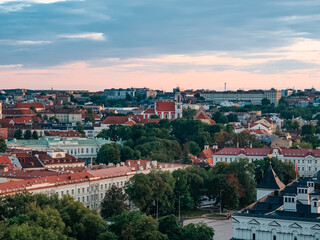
(7, 122)
(256, 131)
(115, 120)
(5, 160)
(165, 106)
(202, 115)
(207, 153)
(17, 112)
(22, 174)
(245, 151)
(110, 172)
(149, 111)
(36, 105)
(62, 133)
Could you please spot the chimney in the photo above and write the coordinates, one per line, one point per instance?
(303, 195)
(315, 205)
(310, 186)
(290, 202)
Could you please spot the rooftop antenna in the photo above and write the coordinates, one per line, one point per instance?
(225, 87)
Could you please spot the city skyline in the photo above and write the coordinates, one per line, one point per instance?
(99, 44)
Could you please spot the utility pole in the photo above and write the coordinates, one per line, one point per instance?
(157, 214)
(221, 201)
(179, 202)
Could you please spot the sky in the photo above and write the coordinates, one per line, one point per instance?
(193, 44)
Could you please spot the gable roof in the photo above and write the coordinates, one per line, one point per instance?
(115, 120)
(165, 106)
(270, 180)
(28, 105)
(5, 160)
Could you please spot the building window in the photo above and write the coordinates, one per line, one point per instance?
(82, 190)
(82, 199)
(87, 198)
(101, 186)
(61, 193)
(87, 150)
(78, 190)
(274, 237)
(253, 236)
(72, 192)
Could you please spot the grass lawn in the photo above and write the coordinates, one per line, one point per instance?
(216, 216)
(193, 213)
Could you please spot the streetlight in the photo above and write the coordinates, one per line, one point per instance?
(179, 202)
(221, 190)
(157, 214)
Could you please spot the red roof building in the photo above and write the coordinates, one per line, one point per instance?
(307, 161)
(204, 117)
(37, 105)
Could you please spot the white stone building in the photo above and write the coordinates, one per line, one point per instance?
(253, 96)
(289, 213)
(307, 160)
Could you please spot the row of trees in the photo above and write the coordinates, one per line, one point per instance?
(26, 135)
(39, 217)
(168, 141)
(160, 191)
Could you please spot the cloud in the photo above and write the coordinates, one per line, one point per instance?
(31, 1)
(13, 7)
(89, 36)
(23, 42)
(9, 67)
(279, 66)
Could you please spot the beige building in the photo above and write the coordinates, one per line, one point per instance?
(253, 96)
(87, 187)
(64, 115)
(281, 143)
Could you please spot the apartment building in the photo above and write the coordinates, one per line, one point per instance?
(252, 96)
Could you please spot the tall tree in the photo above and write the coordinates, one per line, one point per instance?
(35, 135)
(18, 134)
(3, 146)
(198, 231)
(27, 134)
(168, 225)
(109, 153)
(114, 202)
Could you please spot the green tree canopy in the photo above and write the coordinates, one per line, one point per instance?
(114, 202)
(198, 231)
(3, 145)
(27, 134)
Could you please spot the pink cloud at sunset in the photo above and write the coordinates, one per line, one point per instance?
(198, 71)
